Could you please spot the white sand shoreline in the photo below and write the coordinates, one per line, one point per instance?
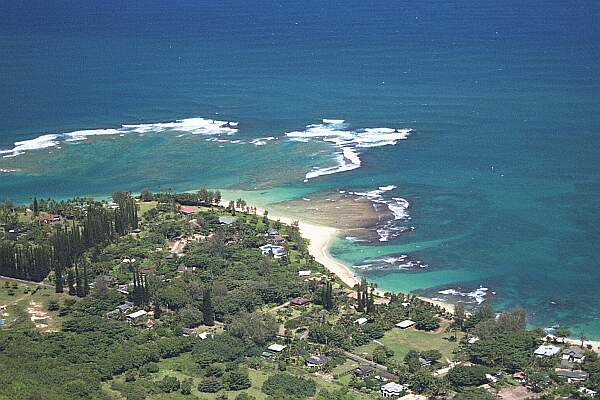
(320, 238)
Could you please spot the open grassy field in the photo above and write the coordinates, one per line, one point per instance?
(401, 341)
(184, 367)
(28, 304)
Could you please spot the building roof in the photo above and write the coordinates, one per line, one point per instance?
(150, 323)
(304, 272)
(473, 340)
(227, 220)
(276, 347)
(299, 301)
(361, 321)
(407, 323)
(392, 388)
(123, 307)
(137, 314)
(46, 218)
(205, 335)
(272, 231)
(364, 370)
(187, 210)
(317, 360)
(575, 352)
(546, 351)
(577, 374)
(187, 331)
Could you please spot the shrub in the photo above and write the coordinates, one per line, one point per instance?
(210, 384)
(289, 386)
(53, 305)
(237, 379)
(169, 384)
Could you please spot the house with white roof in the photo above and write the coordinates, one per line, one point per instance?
(546, 351)
(136, 315)
(304, 273)
(277, 251)
(361, 321)
(407, 323)
(277, 348)
(391, 389)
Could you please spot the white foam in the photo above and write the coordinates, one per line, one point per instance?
(333, 121)
(479, 295)
(41, 142)
(347, 141)
(194, 126)
(262, 141)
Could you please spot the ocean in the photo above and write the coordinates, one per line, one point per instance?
(475, 125)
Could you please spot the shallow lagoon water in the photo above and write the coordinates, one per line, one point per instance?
(501, 168)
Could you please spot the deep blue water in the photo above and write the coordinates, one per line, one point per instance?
(501, 169)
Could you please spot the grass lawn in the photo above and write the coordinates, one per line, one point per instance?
(22, 305)
(401, 341)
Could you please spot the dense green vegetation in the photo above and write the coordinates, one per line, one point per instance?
(169, 296)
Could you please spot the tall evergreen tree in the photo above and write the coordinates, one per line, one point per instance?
(208, 314)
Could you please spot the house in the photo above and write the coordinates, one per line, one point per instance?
(407, 323)
(136, 230)
(267, 354)
(272, 232)
(113, 313)
(187, 210)
(226, 220)
(519, 376)
(124, 307)
(473, 340)
(361, 321)
(2, 322)
(149, 324)
(187, 332)
(277, 251)
(391, 389)
(546, 351)
(299, 301)
(49, 218)
(574, 354)
(123, 289)
(277, 239)
(587, 392)
(316, 361)
(112, 205)
(424, 363)
(572, 376)
(276, 348)
(364, 370)
(206, 335)
(136, 315)
(182, 269)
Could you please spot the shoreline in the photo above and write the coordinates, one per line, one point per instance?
(320, 238)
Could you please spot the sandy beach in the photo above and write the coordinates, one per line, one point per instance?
(320, 238)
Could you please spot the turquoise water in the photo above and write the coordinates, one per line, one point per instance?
(500, 169)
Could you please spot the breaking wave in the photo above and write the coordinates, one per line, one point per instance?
(478, 295)
(391, 263)
(396, 205)
(348, 142)
(193, 126)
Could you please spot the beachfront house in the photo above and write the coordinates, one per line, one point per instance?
(149, 324)
(304, 272)
(187, 332)
(277, 251)
(272, 232)
(316, 361)
(587, 392)
(572, 376)
(546, 351)
(391, 389)
(407, 323)
(226, 220)
(361, 321)
(574, 354)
